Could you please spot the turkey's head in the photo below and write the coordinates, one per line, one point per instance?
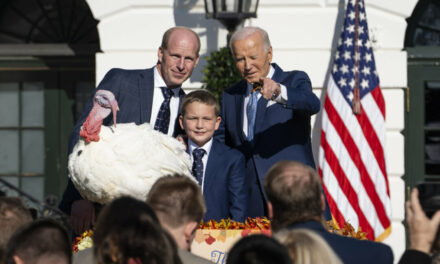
(104, 103)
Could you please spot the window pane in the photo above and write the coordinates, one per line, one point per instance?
(432, 97)
(12, 180)
(34, 186)
(8, 151)
(432, 153)
(249, 6)
(33, 151)
(9, 104)
(427, 32)
(431, 17)
(32, 99)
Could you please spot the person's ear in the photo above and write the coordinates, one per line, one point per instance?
(269, 210)
(322, 203)
(181, 122)
(160, 54)
(189, 231)
(269, 54)
(217, 122)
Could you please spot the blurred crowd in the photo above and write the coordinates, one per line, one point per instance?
(161, 228)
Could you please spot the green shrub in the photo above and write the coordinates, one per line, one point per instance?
(220, 73)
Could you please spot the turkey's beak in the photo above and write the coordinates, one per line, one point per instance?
(115, 108)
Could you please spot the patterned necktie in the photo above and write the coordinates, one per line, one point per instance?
(163, 116)
(197, 168)
(251, 113)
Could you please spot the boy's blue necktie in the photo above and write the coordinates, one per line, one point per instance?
(197, 168)
(163, 116)
(251, 113)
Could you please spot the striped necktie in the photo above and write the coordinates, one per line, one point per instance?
(251, 113)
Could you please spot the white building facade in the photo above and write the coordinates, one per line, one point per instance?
(45, 79)
(303, 35)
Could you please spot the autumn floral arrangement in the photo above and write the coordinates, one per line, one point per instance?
(83, 241)
(259, 223)
(347, 230)
(221, 230)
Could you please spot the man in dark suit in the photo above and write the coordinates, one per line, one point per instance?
(220, 170)
(144, 96)
(296, 201)
(267, 114)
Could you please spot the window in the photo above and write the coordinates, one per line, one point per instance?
(22, 136)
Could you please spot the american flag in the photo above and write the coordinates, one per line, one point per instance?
(352, 151)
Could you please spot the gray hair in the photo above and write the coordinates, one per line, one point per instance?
(246, 32)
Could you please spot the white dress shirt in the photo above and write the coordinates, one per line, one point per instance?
(158, 100)
(207, 148)
(281, 99)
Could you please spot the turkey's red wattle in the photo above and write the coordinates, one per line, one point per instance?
(90, 129)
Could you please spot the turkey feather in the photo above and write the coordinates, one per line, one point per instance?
(126, 160)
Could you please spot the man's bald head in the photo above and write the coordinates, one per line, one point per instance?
(294, 190)
(180, 32)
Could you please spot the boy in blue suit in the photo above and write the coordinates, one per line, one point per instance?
(219, 170)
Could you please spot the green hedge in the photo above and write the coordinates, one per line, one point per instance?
(220, 73)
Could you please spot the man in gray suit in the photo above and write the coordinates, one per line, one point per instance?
(179, 205)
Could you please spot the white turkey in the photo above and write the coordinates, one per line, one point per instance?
(124, 159)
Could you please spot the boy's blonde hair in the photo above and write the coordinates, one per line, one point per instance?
(201, 96)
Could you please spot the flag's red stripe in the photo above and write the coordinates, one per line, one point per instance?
(374, 142)
(378, 97)
(346, 187)
(337, 215)
(354, 153)
(380, 102)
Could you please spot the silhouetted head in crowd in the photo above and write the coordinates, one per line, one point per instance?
(294, 193)
(306, 247)
(13, 215)
(40, 242)
(258, 249)
(181, 209)
(128, 231)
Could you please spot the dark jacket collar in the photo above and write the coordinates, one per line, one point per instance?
(311, 224)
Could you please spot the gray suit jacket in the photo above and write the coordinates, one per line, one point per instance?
(189, 258)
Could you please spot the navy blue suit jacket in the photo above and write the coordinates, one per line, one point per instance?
(282, 132)
(224, 186)
(350, 250)
(134, 91)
